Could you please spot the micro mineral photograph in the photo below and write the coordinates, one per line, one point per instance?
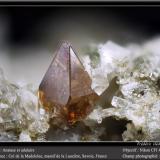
(79, 74)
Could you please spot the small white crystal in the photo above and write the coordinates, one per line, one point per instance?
(96, 115)
(111, 55)
(87, 64)
(24, 137)
(99, 81)
(111, 51)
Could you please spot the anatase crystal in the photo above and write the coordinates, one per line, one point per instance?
(66, 87)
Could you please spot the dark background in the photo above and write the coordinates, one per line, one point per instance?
(49, 25)
(30, 34)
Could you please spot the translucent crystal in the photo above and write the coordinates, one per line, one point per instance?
(24, 137)
(137, 69)
(111, 55)
(66, 87)
(8, 136)
(111, 51)
(96, 115)
(18, 112)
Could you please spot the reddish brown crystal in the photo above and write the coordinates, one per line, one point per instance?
(66, 87)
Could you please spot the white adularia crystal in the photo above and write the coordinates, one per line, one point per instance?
(138, 77)
(109, 54)
(18, 113)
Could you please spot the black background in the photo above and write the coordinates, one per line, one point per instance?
(25, 22)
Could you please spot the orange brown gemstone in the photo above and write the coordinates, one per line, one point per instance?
(66, 87)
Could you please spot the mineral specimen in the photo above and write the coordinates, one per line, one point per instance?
(65, 90)
(137, 99)
(19, 118)
(126, 78)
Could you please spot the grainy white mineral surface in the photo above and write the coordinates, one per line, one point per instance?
(137, 69)
(20, 118)
(127, 79)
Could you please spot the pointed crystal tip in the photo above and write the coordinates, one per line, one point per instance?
(65, 44)
(66, 86)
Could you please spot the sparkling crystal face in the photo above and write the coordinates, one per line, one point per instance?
(66, 87)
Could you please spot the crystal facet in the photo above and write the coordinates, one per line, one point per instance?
(66, 87)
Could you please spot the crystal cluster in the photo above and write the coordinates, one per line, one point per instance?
(137, 100)
(126, 81)
(19, 117)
